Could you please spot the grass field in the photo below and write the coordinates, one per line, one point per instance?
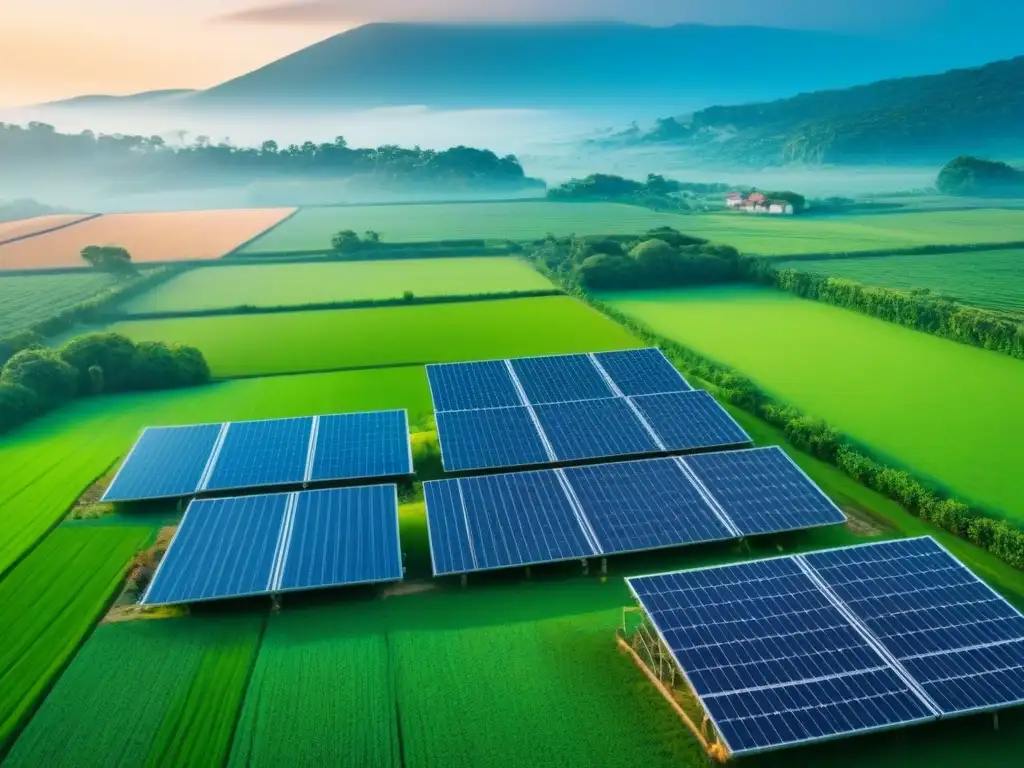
(176, 236)
(25, 227)
(48, 463)
(297, 284)
(48, 604)
(312, 228)
(787, 235)
(988, 279)
(146, 693)
(251, 345)
(28, 299)
(949, 411)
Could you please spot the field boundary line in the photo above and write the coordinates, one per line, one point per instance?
(19, 238)
(261, 233)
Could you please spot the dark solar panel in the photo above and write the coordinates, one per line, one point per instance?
(560, 379)
(686, 421)
(591, 429)
(451, 550)
(262, 453)
(467, 386)
(361, 445)
(165, 462)
(496, 437)
(641, 372)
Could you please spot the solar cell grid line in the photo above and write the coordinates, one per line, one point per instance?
(591, 429)
(953, 634)
(451, 549)
(468, 386)
(643, 505)
(490, 438)
(342, 536)
(283, 542)
(361, 445)
(214, 455)
(311, 449)
(762, 490)
(164, 462)
(641, 371)
(559, 379)
(689, 420)
(262, 453)
(223, 548)
(772, 659)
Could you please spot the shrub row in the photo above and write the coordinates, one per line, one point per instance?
(817, 438)
(923, 312)
(915, 250)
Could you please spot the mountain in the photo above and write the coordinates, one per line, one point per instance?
(102, 100)
(909, 120)
(568, 65)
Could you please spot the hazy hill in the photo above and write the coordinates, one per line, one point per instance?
(597, 65)
(916, 119)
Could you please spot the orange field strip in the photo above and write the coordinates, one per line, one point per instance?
(25, 227)
(149, 237)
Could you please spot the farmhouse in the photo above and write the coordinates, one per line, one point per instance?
(756, 202)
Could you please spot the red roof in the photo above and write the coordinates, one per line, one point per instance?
(735, 196)
(756, 197)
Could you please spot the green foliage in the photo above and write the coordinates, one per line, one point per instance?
(17, 343)
(111, 353)
(110, 258)
(798, 201)
(346, 241)
(966, 175)
(156, 365)
(18, 404)
(45, 373)
(656, 192)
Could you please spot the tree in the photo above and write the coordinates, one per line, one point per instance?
(161, 366)
(966, 175)
(604, 271)
(345, 241)
(44, 372)
(18, 404)
(110, 258)
(112, 353)
(371, 238)
(18, 342)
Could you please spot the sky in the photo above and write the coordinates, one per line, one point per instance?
(53, 49)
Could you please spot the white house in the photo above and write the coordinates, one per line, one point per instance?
(756, 202)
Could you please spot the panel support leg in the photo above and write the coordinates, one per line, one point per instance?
(275, 603)
(995, 721)
(604, 566)
(527, 571)
(463, 580)
(586, 567)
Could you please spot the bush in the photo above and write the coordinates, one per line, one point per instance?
(160, 366)
(18, 404)
(110, 352)
(45, 373)
(14, 344)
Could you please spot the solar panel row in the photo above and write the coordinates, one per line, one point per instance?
(282, 542)
(168, 462)
(526, 518)
(799, 649)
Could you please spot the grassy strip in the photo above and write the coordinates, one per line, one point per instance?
(919, 250)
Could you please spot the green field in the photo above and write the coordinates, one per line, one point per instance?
(146, 693)
(949, 411)
(29, 299)
(312, 228)
(48, 604)
(787, 235)
(253, 345)
(988, 279)
(275, 285)
(48, 462)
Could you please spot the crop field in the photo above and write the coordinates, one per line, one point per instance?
(29, 299)
(949, 411)
(312, 228)
(47, 463)
(26, 227)
(988, 279)
(49, 602)
(252, 345)
(146, 693)
(149, 237)
(321, 694)
(274, 285)
(788, 235)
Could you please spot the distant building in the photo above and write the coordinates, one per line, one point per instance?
(756, 202)
(734, 200)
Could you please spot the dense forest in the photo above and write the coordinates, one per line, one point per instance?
(908, 120)
(974, 176)
(655, 192)
(133, 161)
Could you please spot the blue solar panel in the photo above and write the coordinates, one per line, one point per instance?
(450, 548)
(223, 548)
(763, 491)
(467, 386)
(590, 429)
(343, 536)
(690, 420)
(772, 659)
(261, 453)
(560, 379)
(641, 372)
(358, 445)
(496, 437)
(960, 640)
(639, 505)
(165, 462)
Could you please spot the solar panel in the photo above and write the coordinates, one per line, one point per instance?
(222, 548)
(560, 378)
(960, 640)
(763, 491)
(690, 420)
(165, 462)
(451, 550)
(343, 536)
(641, 505)
(360, 445)
(495, 437)
(467, 386)
(773, 660)
(261, 453)
(590, 429)
(641, 372)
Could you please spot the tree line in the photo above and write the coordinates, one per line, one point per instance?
(967, 175)
(35, 379)
(655, 192)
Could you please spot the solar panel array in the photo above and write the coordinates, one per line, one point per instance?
(168, 462)
(798, 649)
(564, 408)
(268, 544)
(542, 516)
